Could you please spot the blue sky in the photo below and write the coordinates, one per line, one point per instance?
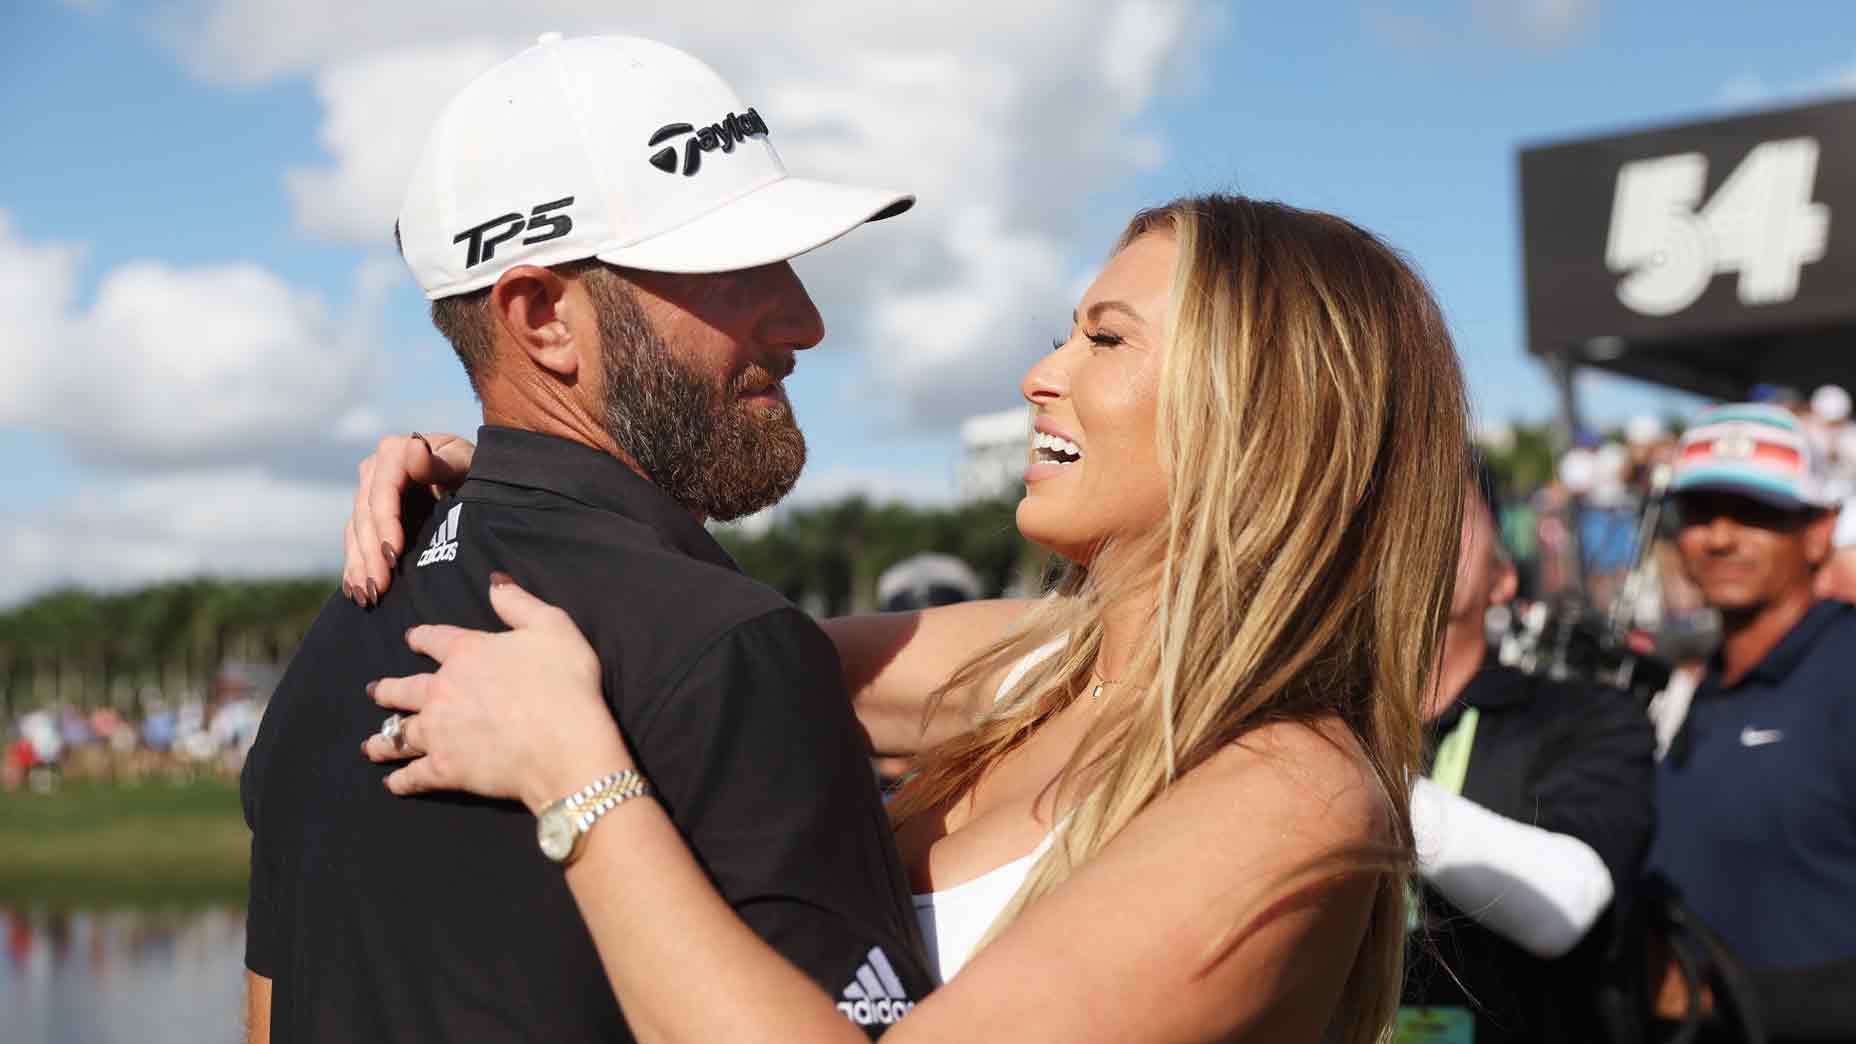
(204, 325)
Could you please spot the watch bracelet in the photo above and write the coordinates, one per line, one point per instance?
(607, 801)
(593, 791)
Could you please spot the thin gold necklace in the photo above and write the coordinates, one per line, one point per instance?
(1100, 684)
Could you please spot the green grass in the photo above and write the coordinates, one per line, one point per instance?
(155, 844)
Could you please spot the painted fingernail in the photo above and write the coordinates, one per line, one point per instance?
(371, 686)
(498, 578)
(347, 592)
(393, 556)
(373, 593)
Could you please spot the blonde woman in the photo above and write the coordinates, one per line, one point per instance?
(1167, 802)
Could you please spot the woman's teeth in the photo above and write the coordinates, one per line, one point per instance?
(1055, 448)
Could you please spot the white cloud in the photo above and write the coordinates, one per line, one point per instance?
(217, 399)
(1002, 118)
(217, 522)
(1146, 35)
(959, 346)
(172, 367)
(880, 486)
(1425, 30)
(373, 107)
(826, 485)
(1538, 25)
(36, 279)
(1747, 90)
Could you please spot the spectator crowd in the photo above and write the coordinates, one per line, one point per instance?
(1720, 548)
(198, 733)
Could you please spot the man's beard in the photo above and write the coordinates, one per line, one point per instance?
(694, 439)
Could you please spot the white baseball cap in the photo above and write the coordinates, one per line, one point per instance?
(618, 148)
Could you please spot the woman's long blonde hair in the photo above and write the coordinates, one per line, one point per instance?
(1313, 428)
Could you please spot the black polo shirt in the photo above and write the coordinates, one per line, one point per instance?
(437, 918)
(1564, 757)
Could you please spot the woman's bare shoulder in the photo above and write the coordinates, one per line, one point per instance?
(1228, 908)
(1310, 779)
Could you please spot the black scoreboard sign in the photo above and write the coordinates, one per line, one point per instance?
(1709, 256)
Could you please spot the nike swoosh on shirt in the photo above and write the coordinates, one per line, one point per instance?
(1752, 737)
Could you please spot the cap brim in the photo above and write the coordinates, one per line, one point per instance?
(1771, 494)
(780, 220)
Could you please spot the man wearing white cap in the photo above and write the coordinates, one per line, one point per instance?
(1830, 408)
(1756, 798)
(1837, 577)
(603, 228)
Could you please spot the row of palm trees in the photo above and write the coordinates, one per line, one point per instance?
(95, 649)
(116, 649)
(827, 557)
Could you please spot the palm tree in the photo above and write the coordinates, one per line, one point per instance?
(87, 648)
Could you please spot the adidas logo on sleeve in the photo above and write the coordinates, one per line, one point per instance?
(875, 997)
(444, 546)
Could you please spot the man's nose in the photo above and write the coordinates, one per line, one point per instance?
(790, 320)
(1721, 532)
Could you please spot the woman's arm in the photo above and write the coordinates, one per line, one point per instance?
(1129, 948)
(1120, 952)
(893, 662)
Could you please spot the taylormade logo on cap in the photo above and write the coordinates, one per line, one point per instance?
(537, 162)
(723, 135)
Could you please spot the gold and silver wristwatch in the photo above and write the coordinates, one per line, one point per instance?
(561, 827)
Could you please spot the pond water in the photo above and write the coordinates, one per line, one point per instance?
(128, 976)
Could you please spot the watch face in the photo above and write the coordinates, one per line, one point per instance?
(555, 831)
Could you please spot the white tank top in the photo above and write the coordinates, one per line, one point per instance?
(954, 920)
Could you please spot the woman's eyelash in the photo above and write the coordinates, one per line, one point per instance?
(1101, 339)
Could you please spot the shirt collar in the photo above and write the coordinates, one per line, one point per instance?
(1783, 658)
(581, 473)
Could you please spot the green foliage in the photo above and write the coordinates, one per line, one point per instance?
(830, 555)
(1526, 462)
(94, 649)
(90, 648)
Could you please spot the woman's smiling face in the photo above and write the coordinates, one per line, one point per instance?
(1095, 470)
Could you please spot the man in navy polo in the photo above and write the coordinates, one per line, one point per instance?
(1757, 796)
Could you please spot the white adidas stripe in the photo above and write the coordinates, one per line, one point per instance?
(875, 996)
(444, 545)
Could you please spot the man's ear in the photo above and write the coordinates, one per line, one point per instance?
(527, 306)
(1505, 582)
(1817, 533)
